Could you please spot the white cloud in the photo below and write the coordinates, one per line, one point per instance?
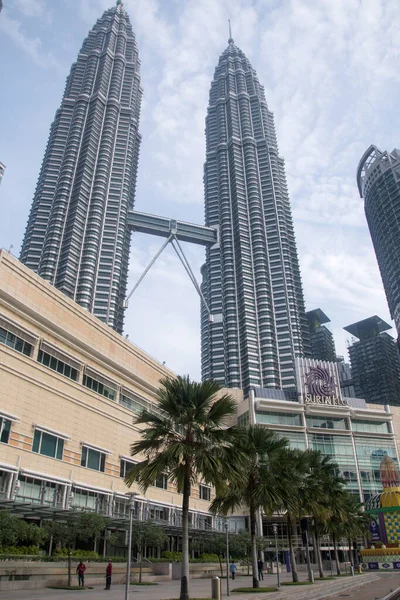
(31, 8)
(32, 46)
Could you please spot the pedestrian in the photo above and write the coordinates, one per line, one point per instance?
(108, 575)
(260, 565)
(80, 569)
(233, 569)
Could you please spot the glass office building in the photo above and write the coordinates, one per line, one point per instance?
(354, 434)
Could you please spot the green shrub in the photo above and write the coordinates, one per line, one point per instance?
(209, 557)
(172, 556)
(30, 550)
(87, 554)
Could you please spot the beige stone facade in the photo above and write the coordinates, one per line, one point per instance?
(71, 387)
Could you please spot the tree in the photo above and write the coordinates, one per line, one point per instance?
(316, 493)
(146, 533)
(80, 526)
(187, 440)
(14, 530)
(295, 468)
(9, 528)
(260, 485)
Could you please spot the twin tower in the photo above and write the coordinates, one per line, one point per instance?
(79, 229)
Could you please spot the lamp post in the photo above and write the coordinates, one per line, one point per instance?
(132, 497)
(275, 530)
(227, 558)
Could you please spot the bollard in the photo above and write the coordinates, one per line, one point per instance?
(312, 576)
(352, 571)
(216, 588)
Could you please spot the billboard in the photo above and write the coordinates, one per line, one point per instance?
(318, 382)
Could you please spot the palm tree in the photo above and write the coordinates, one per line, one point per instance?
(260, 484)
(296, 469)
(316, 495)
(186, 440)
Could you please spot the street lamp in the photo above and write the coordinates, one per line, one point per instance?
(227, 557)
(131, 507)
(275, 530)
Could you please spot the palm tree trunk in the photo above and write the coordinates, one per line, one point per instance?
(317, 552)
(336, 555)
(253, 524)
(350, 553)
(293, 566)
(69, 566)
(184, 595)
(220, 565)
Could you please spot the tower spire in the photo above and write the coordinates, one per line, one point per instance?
(230, 41)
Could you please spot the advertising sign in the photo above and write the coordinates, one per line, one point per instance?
(375, 531)
(318, 382)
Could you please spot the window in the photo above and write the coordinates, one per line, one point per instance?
(47, 444)
(125, 467)
(13, 341)
(204, 492)
(93, 459)
(5, 427)
(56, 361)
(370, 426)
(327, 422)
(162, 481)
(99, 385)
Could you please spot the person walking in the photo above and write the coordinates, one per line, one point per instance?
(233, 569)
(80, 569)
(108, 575)
(260, 565)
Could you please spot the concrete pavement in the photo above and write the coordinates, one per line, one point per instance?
(369, 586)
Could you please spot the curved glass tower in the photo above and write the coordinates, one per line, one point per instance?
(378, 180)
(251, 282)
(77, 235)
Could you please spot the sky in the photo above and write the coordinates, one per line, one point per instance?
(331, 75)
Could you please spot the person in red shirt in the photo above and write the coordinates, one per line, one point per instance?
(108, 575)
(80, 569)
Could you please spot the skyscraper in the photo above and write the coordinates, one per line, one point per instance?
(77, 235)
(251, 282)
(321, 338)
(375, 364)
(2, 170)
(378, 180)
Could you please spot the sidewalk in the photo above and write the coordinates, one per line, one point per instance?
(364, 587)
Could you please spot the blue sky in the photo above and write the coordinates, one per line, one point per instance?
(331, 74)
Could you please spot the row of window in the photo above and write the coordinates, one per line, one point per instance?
(68, 367)
(52, 446)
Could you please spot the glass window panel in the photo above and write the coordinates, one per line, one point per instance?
(48, 445)
(84, 457)
(60, 449)
(36, 440)
(93, 459)
(327, 422)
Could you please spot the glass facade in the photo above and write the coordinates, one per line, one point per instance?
(369, 455)
(358, 452)
(340, 449)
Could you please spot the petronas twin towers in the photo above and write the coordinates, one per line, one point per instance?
(78, 233)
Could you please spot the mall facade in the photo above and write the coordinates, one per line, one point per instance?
(71, 388)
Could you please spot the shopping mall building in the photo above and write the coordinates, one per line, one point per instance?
(71, 388)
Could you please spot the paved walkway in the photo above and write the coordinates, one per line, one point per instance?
(365, 587)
